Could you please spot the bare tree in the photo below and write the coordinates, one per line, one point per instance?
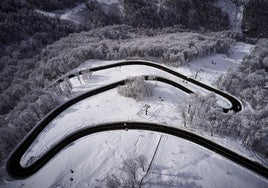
(142, 160)
(129, 169)
(113, 182)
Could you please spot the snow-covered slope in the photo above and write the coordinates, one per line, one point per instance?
(68, 14)
(90, 161)
(109, 2)
(210, 68)
(110, 106)
(72, 14)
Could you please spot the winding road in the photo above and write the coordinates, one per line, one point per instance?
(16, 171)
(236, 104)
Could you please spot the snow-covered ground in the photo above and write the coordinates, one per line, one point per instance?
(45, 13)
(208, 69)
(72, 14)
(68, 14)
(109, 106)
(89, 161)
(178, 163)
(109, 2)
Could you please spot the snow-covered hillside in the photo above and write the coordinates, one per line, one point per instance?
(164, 105)
(101, 156)
(68, 14)
(93, 160)
(47, 49)
(108, 2)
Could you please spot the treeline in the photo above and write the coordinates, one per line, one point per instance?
(24, 33)
(249, 84)
(194, 14)
(202, 113)
(52, 5)
(249, 81)
(116, 42)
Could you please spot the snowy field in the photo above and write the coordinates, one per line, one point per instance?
(178, 163)
(72, 14)
(68, 14)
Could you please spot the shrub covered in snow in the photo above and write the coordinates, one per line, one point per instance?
(136, 88)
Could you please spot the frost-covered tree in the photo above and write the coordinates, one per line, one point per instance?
(136, 88)
(142, 160)
(86, 74)
(201, 112)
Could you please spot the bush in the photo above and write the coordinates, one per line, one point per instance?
(136, 88)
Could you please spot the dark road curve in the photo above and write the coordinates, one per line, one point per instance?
(33, 134)
(16, 171)
(236, 104)
(19, 172)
